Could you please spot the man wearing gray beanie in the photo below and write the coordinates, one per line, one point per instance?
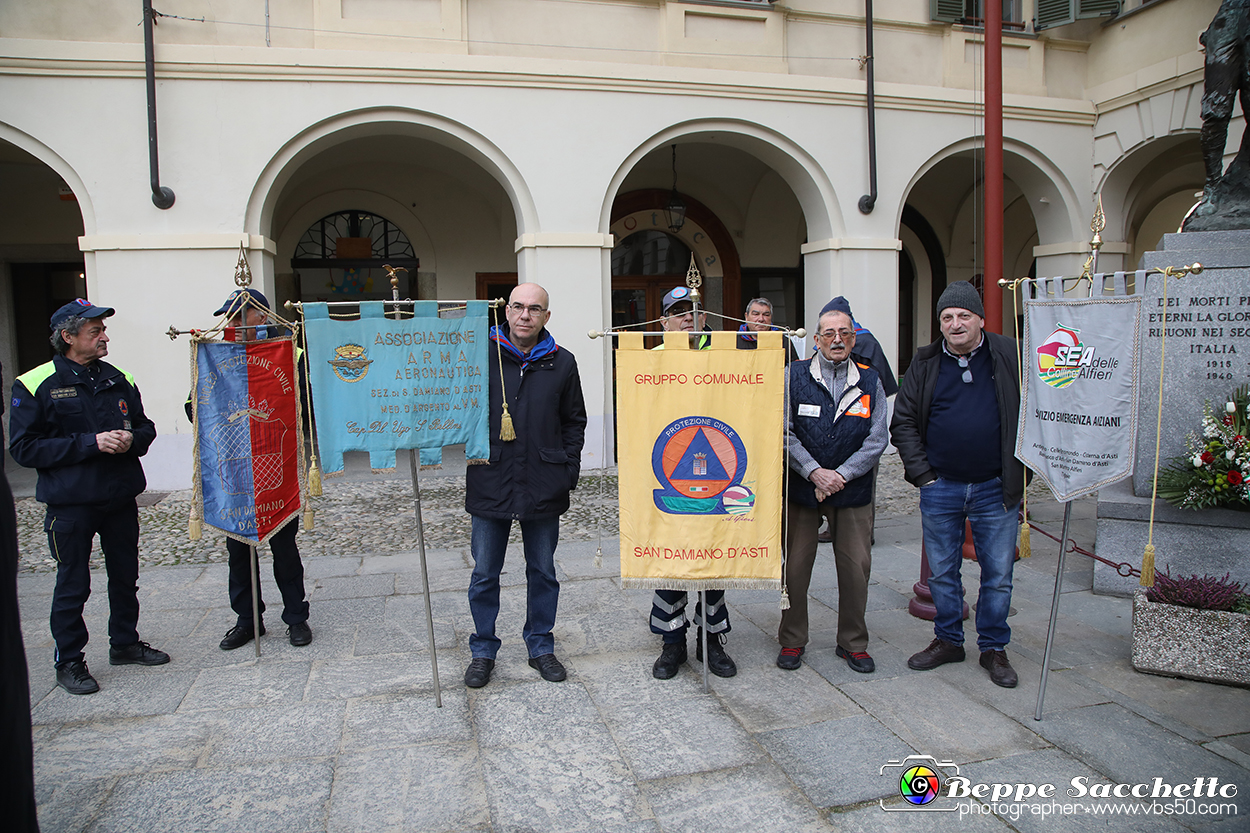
(955, 421)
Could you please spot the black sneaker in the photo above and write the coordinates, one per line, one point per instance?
(240, 635)
(140, 653)
(74, 677)
(718, 662)
(790, 659)
(671, 658)
(551, 669)
(478, 673)
(858, 660)
(299, 633)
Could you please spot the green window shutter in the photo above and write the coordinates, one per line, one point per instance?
(1051, 13)
(1097, 8)
(946, 11)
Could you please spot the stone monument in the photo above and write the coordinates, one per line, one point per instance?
(1207, 322)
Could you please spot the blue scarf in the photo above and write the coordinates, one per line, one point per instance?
(546, 346)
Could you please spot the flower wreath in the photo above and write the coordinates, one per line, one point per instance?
(1216, 470)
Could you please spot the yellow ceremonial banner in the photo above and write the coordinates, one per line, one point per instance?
(700, 449)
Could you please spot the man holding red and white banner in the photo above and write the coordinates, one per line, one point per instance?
(249, 468)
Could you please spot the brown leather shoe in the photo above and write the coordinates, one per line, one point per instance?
(1001, 672)
(938, 653)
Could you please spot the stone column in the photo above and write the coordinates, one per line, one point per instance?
(575, 269)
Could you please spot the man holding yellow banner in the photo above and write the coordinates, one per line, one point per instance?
(700, 475)
(668, 607)
(836, 431)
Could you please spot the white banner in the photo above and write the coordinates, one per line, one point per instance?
(1078, 405)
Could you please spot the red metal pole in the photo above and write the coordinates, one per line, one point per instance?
(993, 165)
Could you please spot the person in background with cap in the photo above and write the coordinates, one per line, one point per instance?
(668, 607)
(79, 421)
(955, 422)
(250, 317)
(759, 317)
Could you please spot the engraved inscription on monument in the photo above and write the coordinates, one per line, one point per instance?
(1207, 321)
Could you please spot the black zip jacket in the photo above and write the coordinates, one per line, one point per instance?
(54, 415)
(910, 424)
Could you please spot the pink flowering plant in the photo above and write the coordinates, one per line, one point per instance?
(1216, 468)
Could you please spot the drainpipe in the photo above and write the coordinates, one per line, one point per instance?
(993, 295)
(868, 201)
(161, 197)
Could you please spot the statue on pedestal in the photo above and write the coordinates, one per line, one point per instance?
(1225, 201)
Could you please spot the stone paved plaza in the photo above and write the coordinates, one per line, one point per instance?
(344, 735)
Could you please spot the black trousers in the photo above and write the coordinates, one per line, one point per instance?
(288, 572)
(17, 782)
(70, 532)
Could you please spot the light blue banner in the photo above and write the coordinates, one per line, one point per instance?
(380, 385)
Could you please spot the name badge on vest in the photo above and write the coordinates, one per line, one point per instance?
(63, 393)
(809, 410)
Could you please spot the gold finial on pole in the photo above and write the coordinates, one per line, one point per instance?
(1096, 225)
(242, 272)
(693, 280)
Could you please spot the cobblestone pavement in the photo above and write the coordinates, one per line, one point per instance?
(360, 517)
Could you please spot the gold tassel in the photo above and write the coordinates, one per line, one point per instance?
(193, 526)
(785, 599)
(598, 558)
(506, 432)
(308, 518)
(314, 479)
(1148, 567)
(1025, 549)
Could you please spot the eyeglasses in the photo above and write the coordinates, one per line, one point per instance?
(843, 335)
(963, 362)
(533, 309)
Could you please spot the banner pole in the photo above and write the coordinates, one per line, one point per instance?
(703, 635)
(1054, 608)
(425, 576)
(255, 567)
(693, 281)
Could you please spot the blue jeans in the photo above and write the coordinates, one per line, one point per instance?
(944, 507)
(489, 544)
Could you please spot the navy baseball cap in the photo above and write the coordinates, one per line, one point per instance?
(257, 300)
(82, 308)
(676, 296)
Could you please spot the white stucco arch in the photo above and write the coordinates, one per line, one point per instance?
(792, 163)
(63, 169)
(386, 120)
(1039, 178)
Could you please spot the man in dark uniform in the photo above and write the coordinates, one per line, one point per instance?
(248, 309)
(669, 619)
(80, 422)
